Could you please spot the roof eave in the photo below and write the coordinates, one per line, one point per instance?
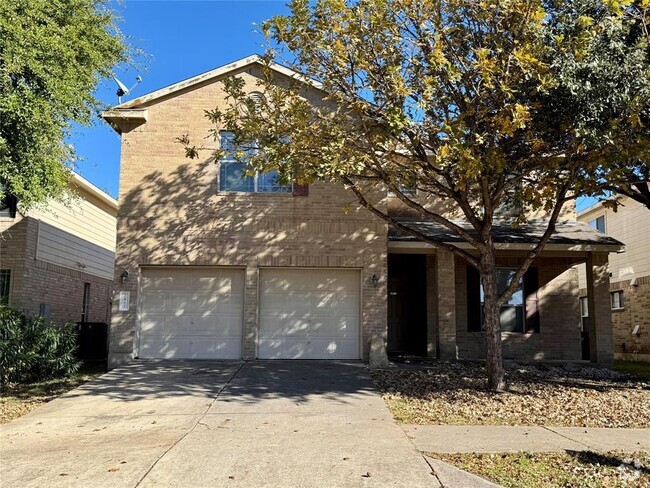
(86, 185)
(506, 246)
(118, 117)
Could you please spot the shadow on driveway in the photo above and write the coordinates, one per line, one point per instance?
(210, 423)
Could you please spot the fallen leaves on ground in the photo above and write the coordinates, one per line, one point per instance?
(456, 393)
(554, 470)
(18, 400)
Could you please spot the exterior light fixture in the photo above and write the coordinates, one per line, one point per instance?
(124, 276)
(375, 280)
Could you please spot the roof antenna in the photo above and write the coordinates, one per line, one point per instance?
(123, 90)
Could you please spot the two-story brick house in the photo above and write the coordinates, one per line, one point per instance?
(629, 275)
(221, 266)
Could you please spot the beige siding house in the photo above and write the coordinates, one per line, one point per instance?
(58, 260)
(211, 264)
(630, 275)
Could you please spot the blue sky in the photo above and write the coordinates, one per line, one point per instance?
(181, 39)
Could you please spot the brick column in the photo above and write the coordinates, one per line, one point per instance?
(249, 339)
(600, 313)
(446, 290)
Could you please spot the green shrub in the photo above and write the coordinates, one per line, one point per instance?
(31, 350)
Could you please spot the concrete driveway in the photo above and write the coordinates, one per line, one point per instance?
(194, 424)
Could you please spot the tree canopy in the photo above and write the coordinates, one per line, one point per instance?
(52, 55)
(495, 109)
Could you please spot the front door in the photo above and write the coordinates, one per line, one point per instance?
(407, 305)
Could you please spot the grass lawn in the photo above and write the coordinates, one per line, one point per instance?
(635, 368)
(18, 400)
(555, 470)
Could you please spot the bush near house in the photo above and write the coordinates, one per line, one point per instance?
(32, 350)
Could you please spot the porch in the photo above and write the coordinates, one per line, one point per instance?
(435, 297)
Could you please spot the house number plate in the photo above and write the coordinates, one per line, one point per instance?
(123, 305)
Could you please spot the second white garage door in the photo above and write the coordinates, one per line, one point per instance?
(191, 313)
(309, 314)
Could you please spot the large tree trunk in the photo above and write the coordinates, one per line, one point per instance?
(491, 312)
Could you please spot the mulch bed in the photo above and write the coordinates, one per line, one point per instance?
(570, 395)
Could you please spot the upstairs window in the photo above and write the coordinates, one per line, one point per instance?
(598, 223)
(232, 172)
(8, 206)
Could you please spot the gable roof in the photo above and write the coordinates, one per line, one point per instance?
(215, 73)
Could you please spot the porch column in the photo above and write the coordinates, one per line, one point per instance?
(432, 307)
(446, 291)
(600, 313)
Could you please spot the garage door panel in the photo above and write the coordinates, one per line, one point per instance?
(223, 348)
(309, 314)
(296, 327)
(154, 300)
(230, 304)
(179, 301)
(205, 302)
(153, 323)
(191, 313)
(156, 281)
(152, 346)
(178, 324)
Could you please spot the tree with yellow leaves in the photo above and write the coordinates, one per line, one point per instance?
(495, 108)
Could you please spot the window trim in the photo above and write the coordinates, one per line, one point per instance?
(621, 302)
(595, 223)
(584, 311)
(256, 190)
(524, 329)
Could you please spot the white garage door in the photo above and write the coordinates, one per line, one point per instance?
(192, 313)
(309, 314)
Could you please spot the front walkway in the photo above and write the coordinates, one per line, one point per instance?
(495, 439)
(285, 424)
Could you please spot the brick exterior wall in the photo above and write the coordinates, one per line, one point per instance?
(13, 254)
(636, 311)
(171, 213)
(559, 314)
(35, 282)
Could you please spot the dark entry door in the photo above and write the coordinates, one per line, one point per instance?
(407, 305)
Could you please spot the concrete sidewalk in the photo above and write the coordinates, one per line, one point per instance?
(488, 439)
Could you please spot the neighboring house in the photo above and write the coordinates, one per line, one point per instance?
(213, 265)
(58, 260)
(629, 275)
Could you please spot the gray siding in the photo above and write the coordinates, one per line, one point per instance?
(64, 249)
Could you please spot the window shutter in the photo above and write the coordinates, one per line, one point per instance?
(473, 299)
(300, 190)
(531, 288)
